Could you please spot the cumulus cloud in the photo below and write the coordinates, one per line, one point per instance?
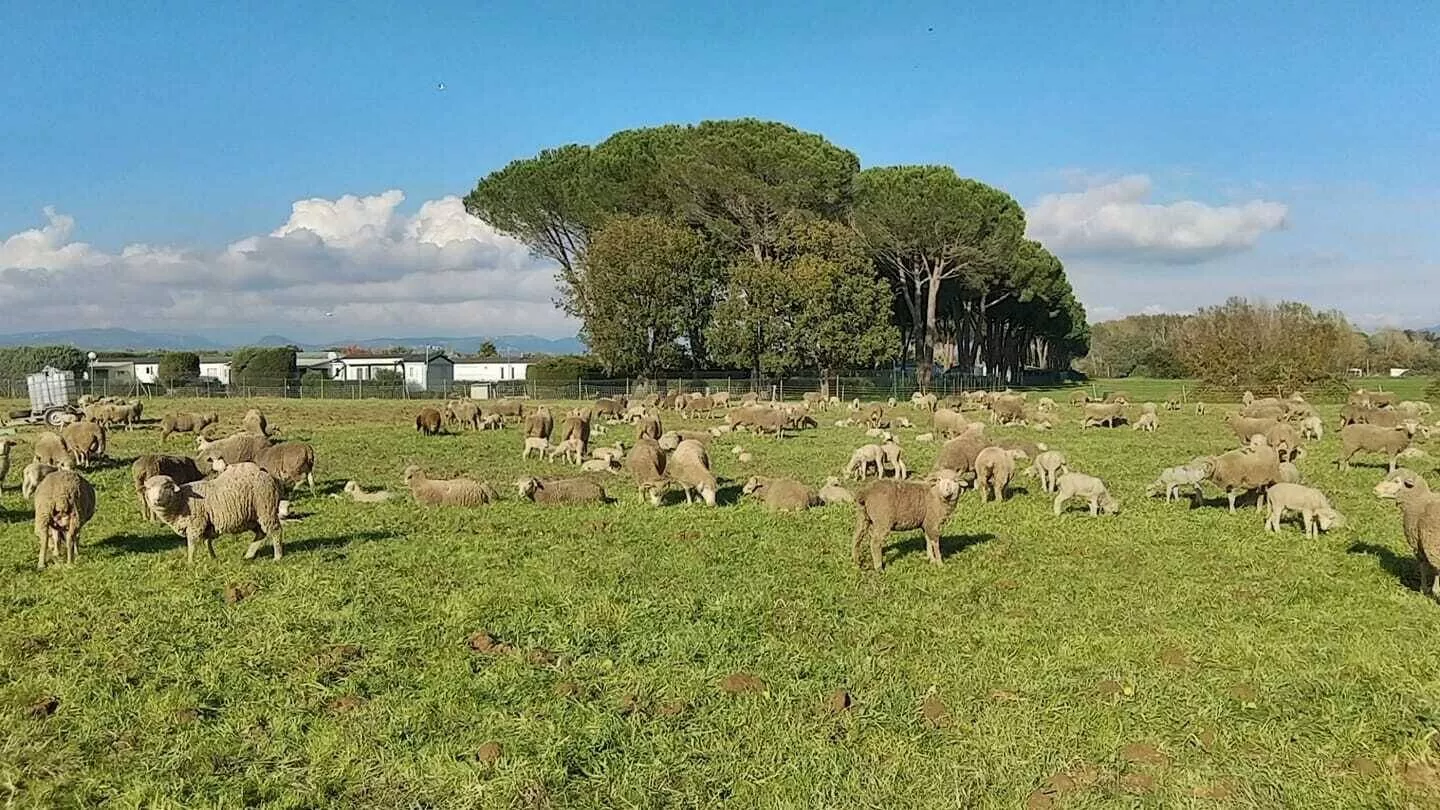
(359, 257)
(1114, 219)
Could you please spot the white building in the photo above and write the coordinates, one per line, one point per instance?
(215, 368)
(498, 370)
(421, 373)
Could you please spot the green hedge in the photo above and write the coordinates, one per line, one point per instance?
(17, 362)
(178, 369)
(262, 367)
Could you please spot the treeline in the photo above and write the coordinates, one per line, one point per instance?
(752, 244)
(1249, 344)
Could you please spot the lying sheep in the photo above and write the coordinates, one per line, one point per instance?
(180, 469)
(689, 466)
(64, 503)
(889, 505)
(1045, 405)
(242, 498)
(1314, 509)
(1049, 466)
(1173, 478)
(1092, 489)
(1372, 439)
(781, 494)
(429, 422)
(185, 423)
(1420, 518)
(359, 495)
(447, 491)
(557, 491)
(600, 465)
(612, 454)
(862, 459)
(1414, 408)
(646, 463)
(1147, 422)
(925, 438)
(255, 422)
(6, 443)
(833, 493)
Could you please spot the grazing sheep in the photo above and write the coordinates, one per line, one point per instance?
(505, 408)
(1372, 439)
(958, 454)
(1107, 414)
(557, 491)
(233, 449)
(892, 460)
(289, 463)
(1172, 403)
(468, 414)
(493, 421)
(429, 422)
(1147, 422)
(185, 423)
(1285, 439)
(887, 506)
(180, 469)
(539, 424)
(1290, 474)
(1088, 487)
(833, 493)
(862, 459)
(1079, 398)
(1269, 409)
(672, 439)
(1008, 410)
(924, 402)
(1244, 427)
(1049, 466)
(84, 440)
(1420, 518)
(577, 426)
(781, 494)
(64, 503)
(50, 450)
(1173, 478)
(242, 498)
(538, 444)
(1312, 427)
(649, 427)
(994, 470)
(1314, 509)
(948, 422)
(609, 407)
(359, 495)
(1370, 416)
(689, 466)
(1252, 469)
(572, 449)
(447, 491)
(255, 422)
(5, 444)
(646, 463)
(722, 398)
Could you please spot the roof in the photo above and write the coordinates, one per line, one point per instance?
(494, 360)
(392, 359)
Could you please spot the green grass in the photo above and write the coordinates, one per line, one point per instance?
(1262, 666)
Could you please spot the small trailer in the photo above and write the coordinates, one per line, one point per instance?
(52, 398)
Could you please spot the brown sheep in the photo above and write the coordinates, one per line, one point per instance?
(1372, 439)
(646, 463)
(1420, 518)
(84, 440)
(649, 427)
(1107, 414)
(562, 491)
(180, 469)
(185, 423)
(994, 470)
(889, 505)
(64, 503)
(781, 494)
(539, 424)
(429, 421)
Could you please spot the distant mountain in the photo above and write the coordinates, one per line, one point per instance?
(110, 340)
(506, 344)
(277, 340)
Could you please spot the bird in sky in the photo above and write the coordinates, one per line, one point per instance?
(440, 86)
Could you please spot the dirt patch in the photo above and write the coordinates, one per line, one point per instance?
(345, 704)
(540, 657)
(1007, 584)
(1006, 696)
(567, 689)
(44, 707)
(1207, 739)
(1174, 657)
(337, 655)
(934, 711)
(236, 592)
(33, 645)
(628, 705)
(489, 752)
(672, 708)
(482, 642)
(840, 701)
(1109, 689)
(687, 535)
(1144, 754)
(186, 717)
(1219, 791)
(596, 526)
(1421, 776)
(1137, 783)
(739, 682)
(1039, 800)
(1245, 693)
(1363, 766)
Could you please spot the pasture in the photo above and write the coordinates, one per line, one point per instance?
(627, 656)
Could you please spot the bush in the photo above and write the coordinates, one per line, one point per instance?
(387, 376)
(262, 367)
(17, 362)
(564, 369)
(178, 369)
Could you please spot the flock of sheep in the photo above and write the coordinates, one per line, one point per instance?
(241, 483)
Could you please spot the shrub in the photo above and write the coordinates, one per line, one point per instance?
(178, 369)
(263, 367)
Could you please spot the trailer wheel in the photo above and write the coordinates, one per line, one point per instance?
(55, 417)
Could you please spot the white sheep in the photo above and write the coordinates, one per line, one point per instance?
(1314, 509)
(1088, 487)
(1312, 427)
(64, 503)
(359, 495)
(1147, 422)
(1173, 478)
(1049, 466)
(925, 438)
(242, 498)
(689, 466)
(833, 492)
(891, 459)
(539, 445)
(573, 449)
(862, 459)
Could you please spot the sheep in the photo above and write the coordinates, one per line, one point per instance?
(1079, 485)
(1107, 414)
(1244, 427)
(1007, 410)
(613, 454)
(862, 459)
(672, 439)
(994, 470)
(745, 458)
(64, 503)
(1372, 439)
(1147, 422)
(925, 438)
(242, 498)
(887, 506)
(359, 495)
(577, 426)
(781, 494)
(958, 454)
(1173, 478)
(84, 440)
(689, 466)
(1199, 409)
(832, 492)
(1049, 465)
(180, 469)
(233, 449)
(505, 408)
(1312, 427)
(50, 450)
(609, 407)
(1416, 409)
(288, 462)
(924, 402)
(538, 445)
(1172, 403)
(185, 423)
(1079, 398)
(891, 459)
(1370, 416)
(255, 422)
(1240, 471)
(447, 491)
(31, 476)
(1045, 405)
(428, 422)
(1268, 409)
(646, 463)
(1420, 517)
(722, 398)
(649, 426)
(1289, 473)
(467, 413)
(948, 422)
(1315, 510)
(5, 444)
(557, 491)
(538, 425)
(572, 449)
(607, 464)
(1284, 438)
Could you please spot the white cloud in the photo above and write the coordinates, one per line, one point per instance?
(374, 267)
(1113, 219)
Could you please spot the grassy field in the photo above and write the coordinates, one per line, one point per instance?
(1166, 657)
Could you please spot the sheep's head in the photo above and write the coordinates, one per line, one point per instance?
(527, 487)
(752, 485)
(352, 486)
(1330, 519)
(164, 495)
(946, 489)
(413, 473)
(1400, 481)
(1109, 505)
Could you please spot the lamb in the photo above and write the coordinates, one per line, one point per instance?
(428, 421)
(782, 494)
(1173, 478)
(185, 423)
(612, 454)
(540, 446)
(1420, 517)
(833, 492)
(1315, 510)
(572, 449)
(1147, 422)
(255, 422)
(233, 449)
(561, 491)
(359, 495)
(888, 506)
(1107, 414)
(1372, 439)
(648, 427)
(947, 422)
(539, 424)
(892, 460)
(925, 438)
(1078, 485)
(646, 463)
(600, 465)
(5, 444)
(1312, 427)
(64, 503)
(689, 466)
(31, 476)
(242, 498)
(180, 469)
(1238, 471)
(447, 491)
(492, 421)
(50, 450)
(862, 459)
(84, 440)
(994, 470)
(1049, 465)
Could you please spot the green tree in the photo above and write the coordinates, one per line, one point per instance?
(1276, 348)
(926, 226)
(387, 376)
(487, 350)
(18, 361)
(178, 369)
(263, 366)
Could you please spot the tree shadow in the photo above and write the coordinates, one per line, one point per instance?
(950, 545)
(1401, 566)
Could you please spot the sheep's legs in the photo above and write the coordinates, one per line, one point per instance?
(861, 524)
(877, 546)
(932, 547)
(1231, 495)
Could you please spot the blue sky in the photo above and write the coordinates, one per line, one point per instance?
(192, 130)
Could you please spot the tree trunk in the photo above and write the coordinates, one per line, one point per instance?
(825, 382)
(932, 303)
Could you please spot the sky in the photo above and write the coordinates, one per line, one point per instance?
(235, 170)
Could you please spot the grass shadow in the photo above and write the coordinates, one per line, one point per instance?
(950, 545)
(337, 541)
(142, 543)
(1401, 566)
